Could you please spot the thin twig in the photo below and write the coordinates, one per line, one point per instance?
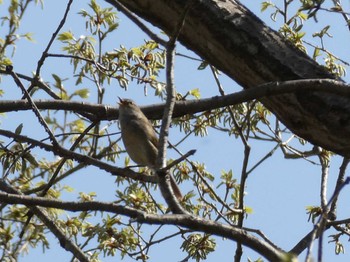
(53, 37)
(244, 174)
(324, 179)
(64, 160)
(42, 85)
(324, 206)
(320, 225)
(32, 104)
(269, 154)
(344, 14)
(332, 215)
(137, 22)
(180, 159)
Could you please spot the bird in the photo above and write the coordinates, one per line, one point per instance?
(140, 139)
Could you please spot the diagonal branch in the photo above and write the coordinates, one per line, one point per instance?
(60, 151)
(139, 23)
(230, 37)
(32, 105)
(65, 242)
(41, 84)
(53, 37)
(340, 181)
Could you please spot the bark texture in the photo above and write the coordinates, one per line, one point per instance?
(233, 39)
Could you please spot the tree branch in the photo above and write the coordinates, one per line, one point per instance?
(36, 82)
(55, 174)
(315, 233)
(164, 177)
(32, 105)
(341, 179)
(44, 54)
(262, 247)
(105, 112)
(139, 23)
(234, 40)
(123, 172)
(65, 242)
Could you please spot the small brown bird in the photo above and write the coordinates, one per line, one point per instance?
(139, 138)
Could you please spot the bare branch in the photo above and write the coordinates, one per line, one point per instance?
(180, 159)
(341, 179)
(236, 234)
(137, 22)
(164, 181)
(36, 82)
(44, 54)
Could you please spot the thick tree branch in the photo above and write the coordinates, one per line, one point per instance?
(105, 112)
(234, 40)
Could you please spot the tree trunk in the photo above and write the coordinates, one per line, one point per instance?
(233, 39)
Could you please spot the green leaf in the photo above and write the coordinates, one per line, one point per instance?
(248, 210)
(19, 129)
(265, 5)
(78, 126)
(6, 62)
(31, 159)
(203, 65)
(57, 79)
(83, 13)
(302, 15)
(151, 45)
(300, 35)
(195, 92)
(316, 53)
(65, 36)
(83, 93)
(339, 248)
(94, 6)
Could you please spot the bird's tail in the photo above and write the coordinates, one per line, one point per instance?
(175, 188)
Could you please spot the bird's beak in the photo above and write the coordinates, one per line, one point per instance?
(121, 101)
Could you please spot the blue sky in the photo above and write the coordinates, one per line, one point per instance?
(278, 191)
